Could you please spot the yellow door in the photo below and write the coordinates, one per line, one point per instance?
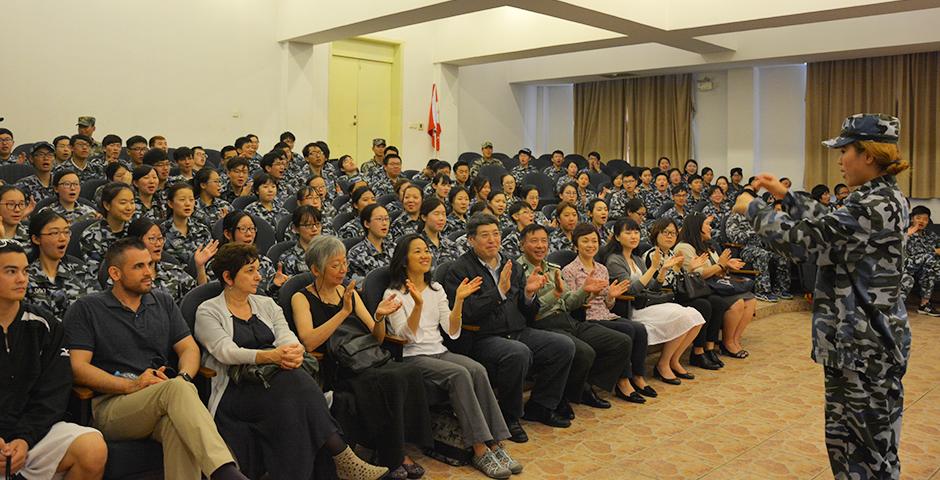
(343, 128)
(374, 105)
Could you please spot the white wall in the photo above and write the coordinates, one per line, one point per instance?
(175, 68)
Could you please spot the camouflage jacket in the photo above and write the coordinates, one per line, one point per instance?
(738, 230)
(77, 214)
(447, 251)
(553, 172)
(270, 216)
(519, 172)
(455, 224)
(370, 166)
(180, 246)
(676, 216)
(292, 260)
(404, 225)
(209, 214)
(94, 169)
(859, 320)
(33, 188)
(156, 212)
(174, 280)
(510, 245)
(922, 243)
(71, 282)
(22, 234)
(351, 229)
(654, 200)
(94, 243)
(364, 257)
(380, 184)
(618, 203)
(557, 241)
(481, 162)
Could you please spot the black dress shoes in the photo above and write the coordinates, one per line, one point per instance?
(537, 413)
(670, 381)
(589, 397)
(685, 376)
(633, 397)
(564, 410)
(516, 433)
(646, 391)
(702, 360)
(713, 355)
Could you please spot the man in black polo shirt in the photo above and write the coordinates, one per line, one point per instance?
(505, 345)
(35, 381)
(121, 344)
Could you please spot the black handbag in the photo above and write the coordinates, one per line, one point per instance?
(262, 374)
(690, 286)
(648, 298)
(355, 349)
(730, 285)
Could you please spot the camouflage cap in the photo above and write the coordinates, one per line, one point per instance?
(487, 144)
(876, 127)
(525, 151)
(86, 122)
(40, 145)
(378, 142)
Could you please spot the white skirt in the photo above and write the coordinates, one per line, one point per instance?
(44, 458)
(667, 321)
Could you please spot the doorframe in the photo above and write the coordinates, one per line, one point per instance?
(397, 93)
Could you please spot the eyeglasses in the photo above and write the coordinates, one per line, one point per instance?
(381, 219)
(309, 225)
(246, 229)
(70, 184)
(14, 205)
(160, 239)
(80, 144)
(670, 233)
(137, 149)
(57, 233)
(6, 140)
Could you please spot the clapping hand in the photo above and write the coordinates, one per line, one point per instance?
(205, 252)
(468, 287)
(505, 276)
(736, 264)
(698, 262)
(618, 288)
(348, 297)
(559, 286)
(280, 277)
(741, 203)
(415, 294)
(594, 285)
(673, 262)
(387, 306)
(535, 282)
(657, 258)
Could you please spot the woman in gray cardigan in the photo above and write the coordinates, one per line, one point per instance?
(287, 422)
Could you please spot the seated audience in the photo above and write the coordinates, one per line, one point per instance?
(680, 199)
(183, 235)
(35, 440)
(307, 224)
(557, 168)
(117, 203)
(237, 180)
(169, 276)
(358, 201)
(239, 227)
(13, 210)
(120, 341)
(481, 190)
(55, 281)
(267, 208)
(496, 201)
(440, 187)
(410, 220)
(376, 248)
(210, 207)
(524, 167)
(147, 198)
(597, 214)
(389, 396)
(657, 196)
(40, 185)
(530, 195)
(922, 261)
(566, 218)
(521, 215)
(509, 184)
(773, 270)
(459, 201)
(434, 218)
(68, 190)
(424, 313)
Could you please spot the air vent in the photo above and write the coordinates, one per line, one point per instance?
(619, 75)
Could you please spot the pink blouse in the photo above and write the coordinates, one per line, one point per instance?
(574, 275)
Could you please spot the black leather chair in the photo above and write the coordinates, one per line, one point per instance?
(343, 218)
(561, 257)
(74, 247)
(350, 242)
(278, 249)
(241, 202)
(15, 172)
(542, 182)
(89, 187)
(293, 285)
(283, 224)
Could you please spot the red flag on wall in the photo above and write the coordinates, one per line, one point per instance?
(434, 120)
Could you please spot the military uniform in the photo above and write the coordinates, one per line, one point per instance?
(718, 213)
(557, 241)
(77, 214)
(774, 277)
(270, 216)
(506, 222)
(71, 282)
(34, 189)
(404, 225)
(519, 172)
(860, 327)
(364, 258)
(653, 200)
(380, 184)
(618, 203)
(481, 162)
(553, 172)
(676, 216)
(443, 253)
(370, 166)
(22, 234)
(209, 214)
(156, 212)
(455, 224)
(292, 260)
(93, 169)
(922, 266)
(511, 245)
(94, 243)
(351, 229)
(174, 280)
(180, 246)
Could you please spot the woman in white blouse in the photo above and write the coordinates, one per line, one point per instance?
(424, 313)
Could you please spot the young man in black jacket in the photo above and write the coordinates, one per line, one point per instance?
(35, 383)
(505, 344)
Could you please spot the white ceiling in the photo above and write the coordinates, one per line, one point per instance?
(554, 40)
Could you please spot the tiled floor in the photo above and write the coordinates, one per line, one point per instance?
(759, 418)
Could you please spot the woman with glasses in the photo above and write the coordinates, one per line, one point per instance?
(67, 189)
(13, 209)
(306, 224)
(530, 194)
(361, 198)
(184, 236)
(171, 277)
(146, 182)
(238, 227)
(117, 202)
(54, 281)
(375, 250)
(210, 207)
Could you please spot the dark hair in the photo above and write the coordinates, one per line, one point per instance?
(115, 254)
(138, 228)
(660, 174)
(562, 206)
(39, 220)
(634, 175)
(712, 189)
(398, 267)
(357, 195)
(230, 223)
(461, 163)
(201, 176)
(287, 135)
(723, 177)
(818, 191)
(9, 187)
(141, 172)
(518, 206)
(153, 140)
(613, 245)
(582, 230)
(269, 158)
(478, 182)
(478, 220)
(454, 191)
(226, 149)
(525, 189)
(441, 178)
(110, 139)
(530, 229)
(5, 131)
(658, 226)
(840, 186)
(691, 233)
(307, 148)
(737, 170)
(661, 158)
(441, 164)
(687, 162)
(478, 207)
(12, 246)
(305, 211)
(77, 137)
(174, 189)
(134, 140)
(154, 156)
(389, 157)
(593, 203)
(429, 204)
(694, 177)
(111, 169)
(493, 194)
(280, 146)
(595, 155)
(633, 205)
(182, 153)
(109, 191)
(236, 162)
(231, 257)
(918, 210)
(707, 170)
(66, 138)
(57, 177)
(558, 152)
(324, 148)
(260, 179)
(366, 214)
(678, 189)
(240, 142)
(304, 191)
(566, 185)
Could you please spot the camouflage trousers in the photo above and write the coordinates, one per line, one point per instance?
(774, 276)
(863, 424)
(923, 271)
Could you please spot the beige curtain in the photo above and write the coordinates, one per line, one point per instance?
(639, 119)
(599, 118)
(901, 85)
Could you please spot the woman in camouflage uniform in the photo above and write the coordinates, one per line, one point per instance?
(14, 208)
(210, 208)
(54, 281)
(306, 224)
(266, 207)
(922, 266)
(146, 181)
(68, 187)
(117, 202)
(861, 334)
(184, 235)
(171, 277)
(238, 227)
(433, 222)
(410, 220)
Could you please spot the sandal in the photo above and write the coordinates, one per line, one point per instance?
(729, 353)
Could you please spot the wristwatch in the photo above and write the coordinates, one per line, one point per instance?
(185, 376)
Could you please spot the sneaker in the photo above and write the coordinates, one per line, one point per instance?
(490, 466)
(786, 296)
(503, 456)
(929, 309)
(763, 297)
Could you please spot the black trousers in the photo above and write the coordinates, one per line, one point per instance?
(712, 328)
(638, 345)
(600, 357)
(508, 358)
